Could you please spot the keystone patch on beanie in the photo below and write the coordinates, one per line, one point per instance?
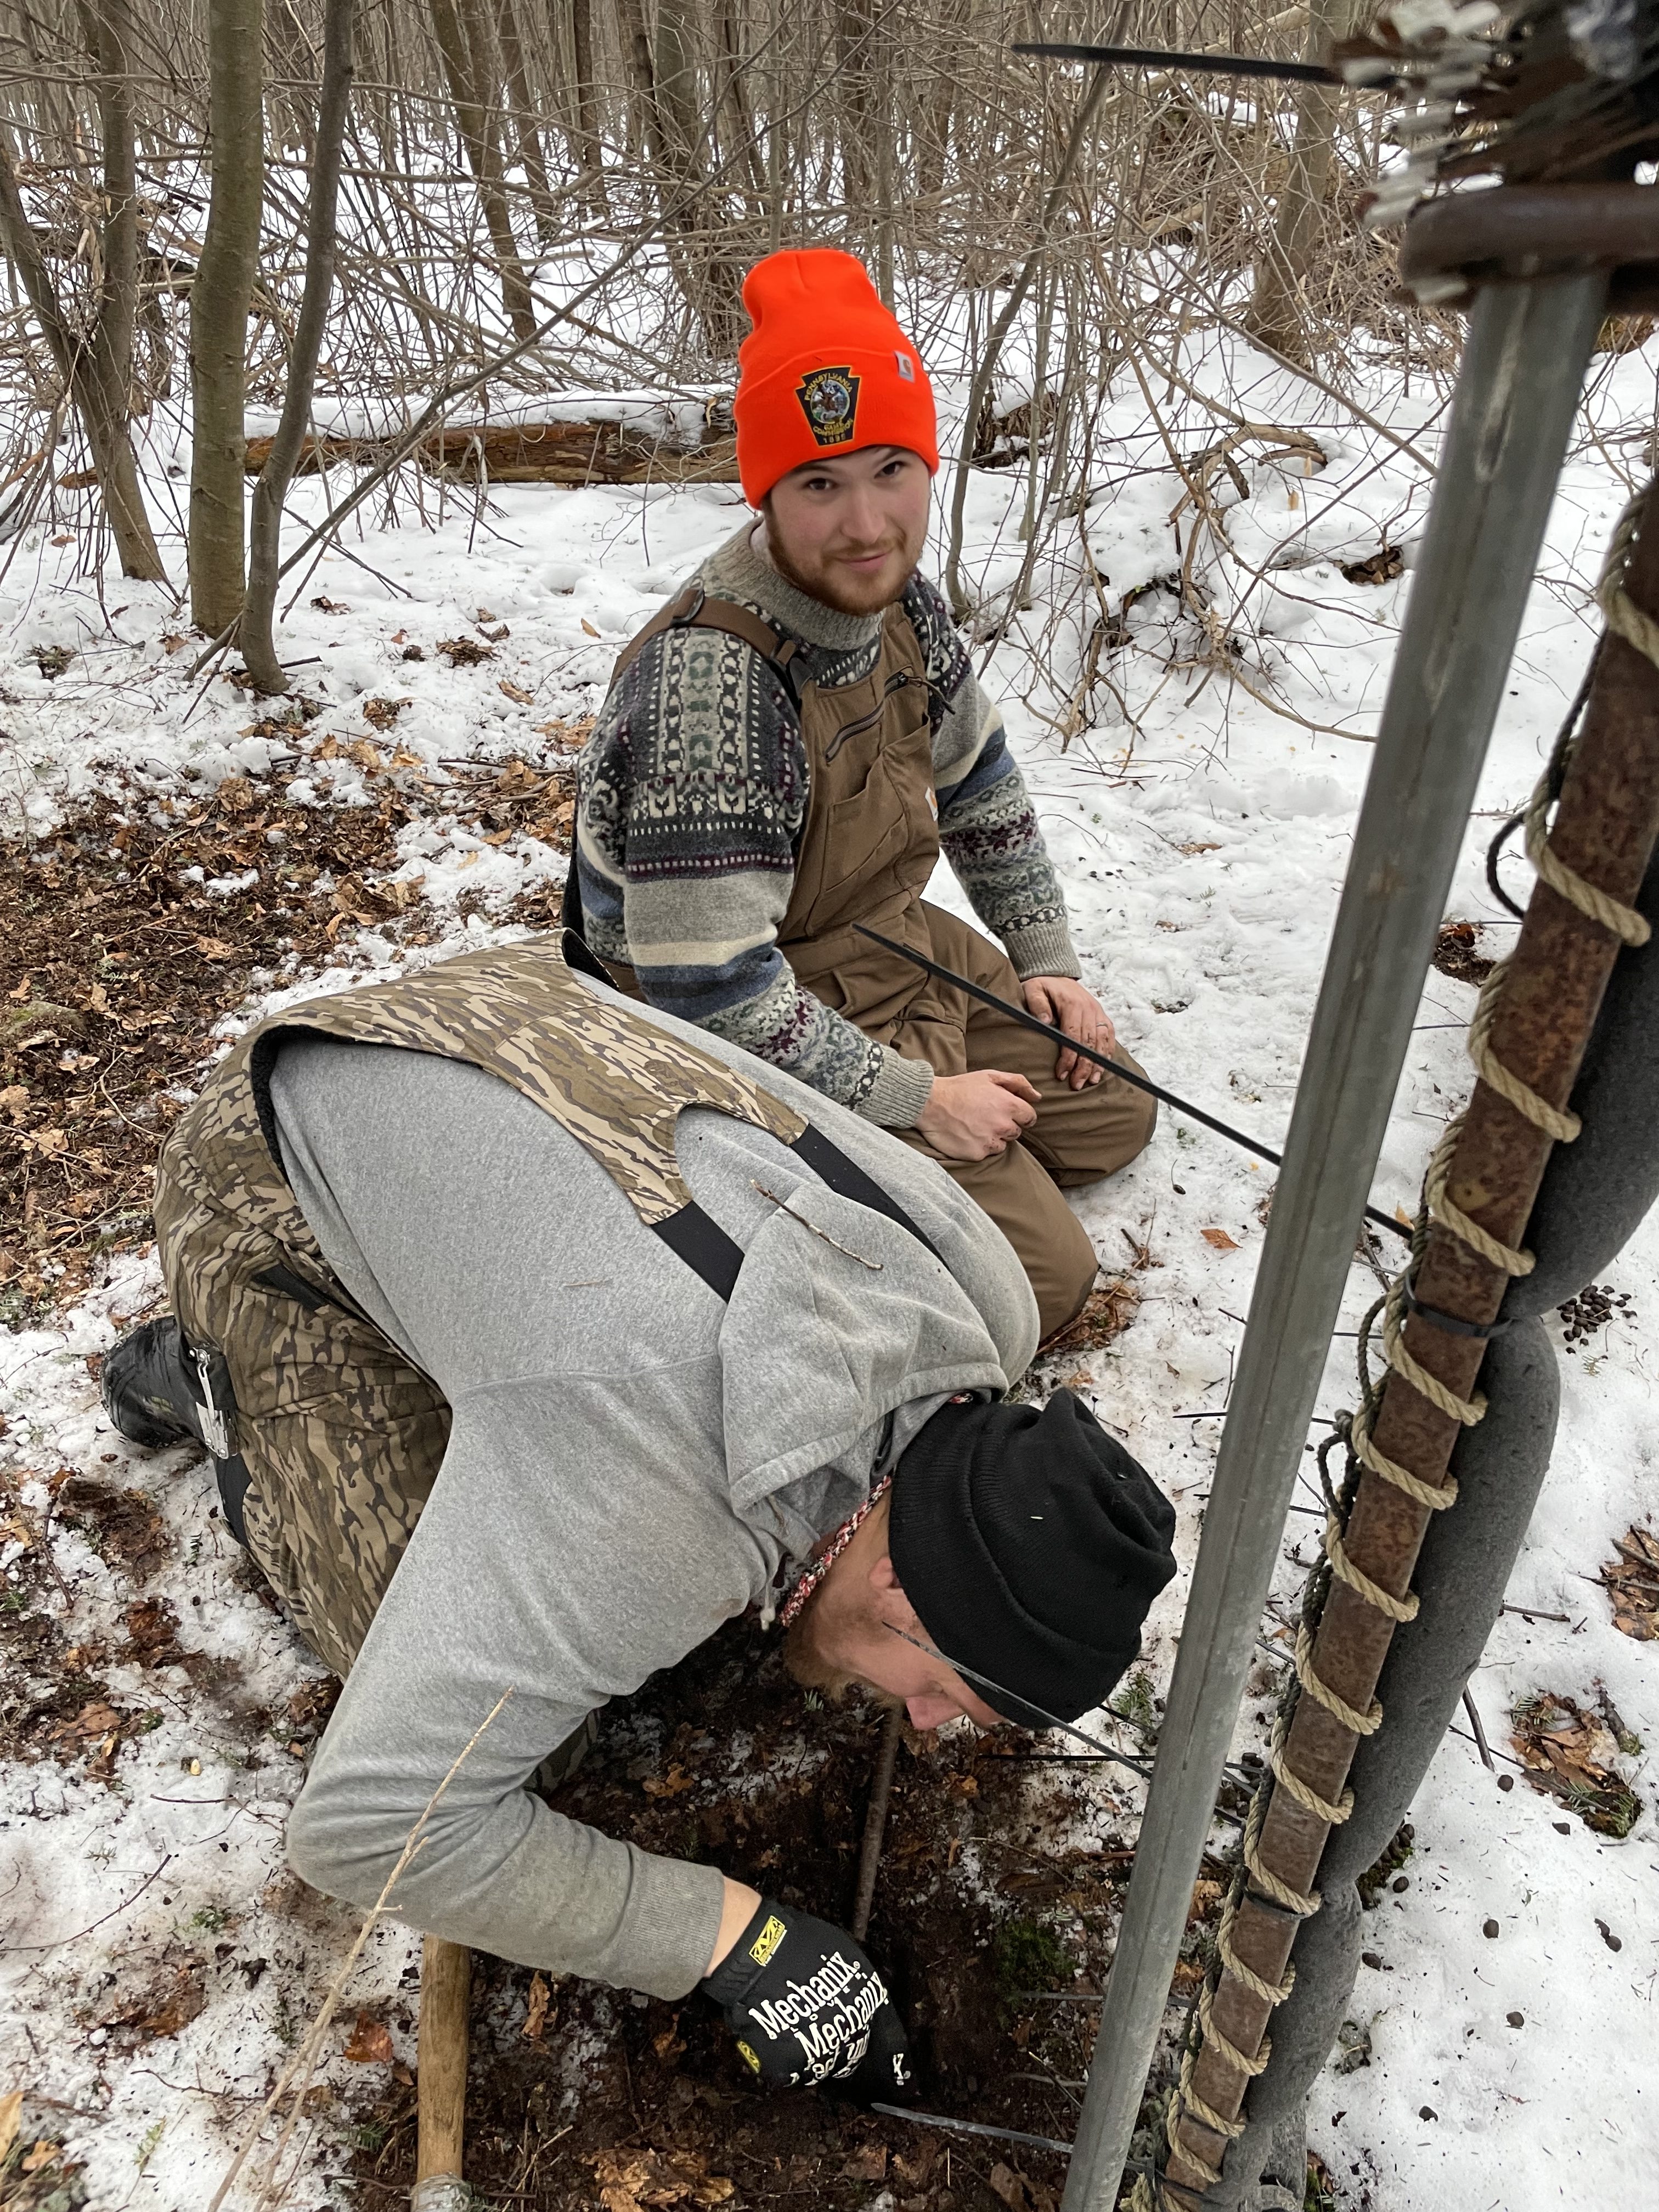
(825, 370)
(1032, 1545)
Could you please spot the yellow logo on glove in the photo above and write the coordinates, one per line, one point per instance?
(748, 2054)
(768, 1940)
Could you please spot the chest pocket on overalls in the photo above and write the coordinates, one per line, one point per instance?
(873, 833)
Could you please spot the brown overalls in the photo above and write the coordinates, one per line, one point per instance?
(869, 844)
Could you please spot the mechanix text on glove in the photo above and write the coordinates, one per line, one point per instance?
(810, 2006)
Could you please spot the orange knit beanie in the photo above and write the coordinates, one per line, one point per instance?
(825, 370)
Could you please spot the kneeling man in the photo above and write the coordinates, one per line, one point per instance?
(783, 752)
(536, 1335)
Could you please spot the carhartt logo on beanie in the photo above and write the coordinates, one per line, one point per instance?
(825, 370)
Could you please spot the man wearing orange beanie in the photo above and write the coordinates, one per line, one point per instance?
(783, 752)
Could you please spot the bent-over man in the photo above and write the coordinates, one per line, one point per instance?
(537, 1334)
(781, 754)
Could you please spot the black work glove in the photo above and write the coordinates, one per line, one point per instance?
(809, 2005)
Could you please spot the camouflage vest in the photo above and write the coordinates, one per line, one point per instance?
(343, 1438)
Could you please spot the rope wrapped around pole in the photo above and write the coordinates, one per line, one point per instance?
(1526, 1042)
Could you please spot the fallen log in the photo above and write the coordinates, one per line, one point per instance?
(529, 452)
(315, 454)
(573, 453)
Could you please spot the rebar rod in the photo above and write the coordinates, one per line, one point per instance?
(1522, 370)
(875, 1821)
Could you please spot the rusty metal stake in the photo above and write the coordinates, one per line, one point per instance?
(1605, 828)
(875, 1821)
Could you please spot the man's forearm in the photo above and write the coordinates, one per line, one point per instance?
(786, 1026)
(521, 1882)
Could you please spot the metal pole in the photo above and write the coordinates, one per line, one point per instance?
(1523, 368)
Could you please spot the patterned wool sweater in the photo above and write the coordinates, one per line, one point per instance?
(693, 793)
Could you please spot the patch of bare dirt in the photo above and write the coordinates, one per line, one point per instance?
(994, 1898)
(120, 961)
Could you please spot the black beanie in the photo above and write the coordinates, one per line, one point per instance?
(1032, 1545)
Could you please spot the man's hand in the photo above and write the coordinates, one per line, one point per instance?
(1064, 1004)
(809, 2006)
(973, 1117)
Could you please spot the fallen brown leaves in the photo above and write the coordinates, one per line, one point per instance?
(127, 962)
(500, 803)
(1454, 953)
(1107, 1313)
(1573, 1756)
(123, 1525)
(369, 2043)
(35, 2173)
(1019, 2192)
(1218, 1240)
(1379, 568)
(631, 2180)
(669, 1785)
(171, 2003)
(1632, 1581)
(542, 2009)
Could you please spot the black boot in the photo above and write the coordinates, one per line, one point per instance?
(146, 1387)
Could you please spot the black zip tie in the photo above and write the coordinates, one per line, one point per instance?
(1104, 1059)
(974, 2128)
(1450, 1322)
(1494, 854)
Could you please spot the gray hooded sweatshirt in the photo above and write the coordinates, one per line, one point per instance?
(632, 1463)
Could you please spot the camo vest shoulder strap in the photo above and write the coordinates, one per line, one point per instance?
(616, 1081)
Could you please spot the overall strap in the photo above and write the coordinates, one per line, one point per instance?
(695, 609)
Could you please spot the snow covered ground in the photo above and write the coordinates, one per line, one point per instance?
(1203, 840)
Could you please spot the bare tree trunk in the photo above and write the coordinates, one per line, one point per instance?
(289, 56)
(106, 27)
(103, 418)
(777, 150)
(740, 104)
(677, 105)
(259, 645)
(880, 111)
(462, 53)
(636, 47)
(1277, 313)
(585, 143)
(219, 301)
(855, 32)
(521, 109)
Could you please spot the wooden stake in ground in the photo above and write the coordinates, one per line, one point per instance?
(445, 1987)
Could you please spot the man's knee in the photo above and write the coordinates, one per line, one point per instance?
(1140, 1118)
(1062, 1271)
(1101, 1130)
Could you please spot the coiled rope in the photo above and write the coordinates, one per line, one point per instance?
(1626, 620)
